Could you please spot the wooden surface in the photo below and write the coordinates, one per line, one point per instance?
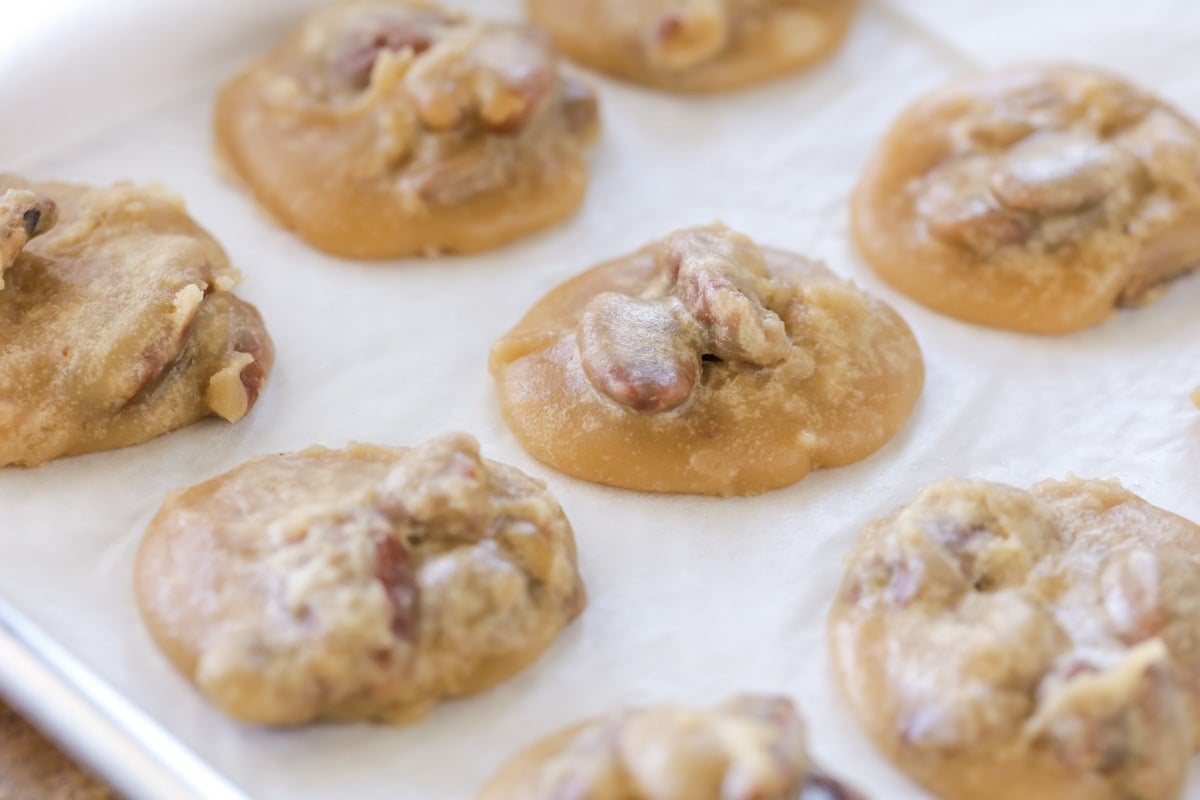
(32, 769)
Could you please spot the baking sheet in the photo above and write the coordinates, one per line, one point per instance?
(692, 599)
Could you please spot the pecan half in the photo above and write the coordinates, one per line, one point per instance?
(957, 208)
(640, 353)
(1060, 173)
(717, 282)
(1055, 186)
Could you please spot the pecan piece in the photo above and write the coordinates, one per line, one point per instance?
(1061, 173)
(441, 488)
(397, 574)
(226, 394)
(454, 177)
(513, 77)
(353, 60)
(1117, 716)
(958, 209)
(164, 348)
(695, 32)
(718, 280)
(640, 353)
(250, 338)
(23, 215)
(1131, 588)
(1054, 185)
(499, 78)
(992, 693)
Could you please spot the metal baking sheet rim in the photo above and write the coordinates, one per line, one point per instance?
(72, 705)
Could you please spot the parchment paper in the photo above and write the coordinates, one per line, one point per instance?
(691, 599)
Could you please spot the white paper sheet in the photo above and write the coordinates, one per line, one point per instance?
(692, 599)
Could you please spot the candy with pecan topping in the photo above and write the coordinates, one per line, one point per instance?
(1037, 198)
(366, 583)
(387, 128)
(117, 320)
(1047, 644)
(703, 363)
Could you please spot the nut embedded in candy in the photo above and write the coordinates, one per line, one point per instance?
(642, 354)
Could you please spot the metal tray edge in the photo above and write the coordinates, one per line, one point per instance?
(87, 717)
